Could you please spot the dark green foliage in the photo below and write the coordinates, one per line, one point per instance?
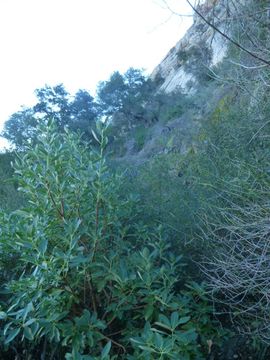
(157, 109)
(122, 97)
(21, 127)
(90, 280)
(84, 113)
(91, 271)
(53, 103)
(131, 100)
(172, 106)
(78, 113)
(112, 93)
(10, 199)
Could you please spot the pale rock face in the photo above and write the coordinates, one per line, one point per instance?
(200, 46)
(219, 48)
(177, 79)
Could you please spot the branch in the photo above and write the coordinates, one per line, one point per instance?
(167, 7)
(248, 67)
(226, 36)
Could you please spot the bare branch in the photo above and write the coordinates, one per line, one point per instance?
(248, 67)
(227, 37)
(167, 7)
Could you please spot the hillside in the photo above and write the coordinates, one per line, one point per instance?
(187, 77)
(142, 227)
(201, 48)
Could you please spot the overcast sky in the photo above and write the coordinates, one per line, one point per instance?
(80, 42)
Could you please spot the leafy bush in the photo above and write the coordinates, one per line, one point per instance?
(88, 280)
(10, 199)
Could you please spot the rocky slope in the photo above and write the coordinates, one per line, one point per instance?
(200, 48)
(185, 71)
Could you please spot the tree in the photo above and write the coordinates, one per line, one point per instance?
(84, 113)
(123, 95)
(135, 81)
(53, 102)
(111, 93)
(78, 113)
(20, 127)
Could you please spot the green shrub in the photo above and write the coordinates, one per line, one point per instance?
(170, 195)
(90, 281)
(140, 134)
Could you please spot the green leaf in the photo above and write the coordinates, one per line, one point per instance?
(74, 241)
(164, 322)
(78, 260)
(158, 340)
(7, 326)
(148, 311)
(164, 319)
(95, 136)
(34, 327)
(136, 341)
(14, 305)
(58, 316)
(163, 326)
(29, 307)
(27, 332)
(30, 321)
(25, 244)
(146, 348)
(183, 320)
(174, 319)
(3, 315)
(187, 336)
(159, 331)
(22, 213)
(78, 223)
(106, 350)
(43, 246)
(12, 334)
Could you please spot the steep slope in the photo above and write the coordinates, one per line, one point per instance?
(185, 74)
(187, 86)
(200, 48)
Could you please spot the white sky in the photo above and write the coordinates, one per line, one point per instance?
(79, 42)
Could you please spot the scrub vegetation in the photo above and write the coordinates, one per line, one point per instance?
(135, 225)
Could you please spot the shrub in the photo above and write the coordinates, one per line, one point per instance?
(140, 134)
(232, 166)
(89, 281)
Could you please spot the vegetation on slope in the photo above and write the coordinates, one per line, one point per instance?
(101, 263)
(89, 279)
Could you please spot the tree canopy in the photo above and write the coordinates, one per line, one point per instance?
(121, 96)
(53, 102)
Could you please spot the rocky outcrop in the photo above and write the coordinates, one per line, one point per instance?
(199, 49)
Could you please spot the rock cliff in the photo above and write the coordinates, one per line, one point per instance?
(200, 48)
(191, 92)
